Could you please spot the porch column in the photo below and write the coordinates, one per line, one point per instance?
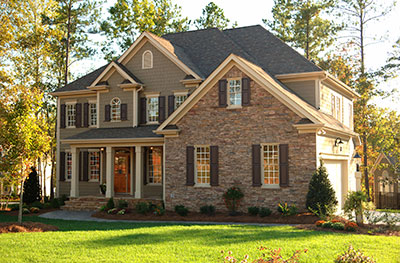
(75, 173)
(358, 181)
(138, 174)
(109, 173)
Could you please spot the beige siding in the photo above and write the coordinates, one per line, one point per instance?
(85, 188)
(326, 146)
(325, 101)
(304, 89)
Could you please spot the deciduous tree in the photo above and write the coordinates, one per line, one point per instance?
(213, 16)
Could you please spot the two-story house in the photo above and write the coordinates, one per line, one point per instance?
(183, 117)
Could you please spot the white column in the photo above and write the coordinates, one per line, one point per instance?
(163, 173)
(109, 172)
(75, 173)
(135, 107)
(57, 193)
(358, 181)
(138, 174)
(132, 162)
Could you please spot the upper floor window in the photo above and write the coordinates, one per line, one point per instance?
(152, 109)
(92, 114)
(336, 107)
(270, 167)
(235, 92)
(71, 115)
(116, 109)
(202, 165)
(68, 166)
(179, 99)
(94, 166)
(147, 60)
(154, 165)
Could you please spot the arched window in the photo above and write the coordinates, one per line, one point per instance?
(147, 60)
(115, 109)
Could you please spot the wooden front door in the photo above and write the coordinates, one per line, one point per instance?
(122, 179)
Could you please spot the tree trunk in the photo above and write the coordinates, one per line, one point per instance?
(21, 196)
(68, 42)
(365, 151)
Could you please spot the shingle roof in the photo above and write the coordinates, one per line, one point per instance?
(116, 133)
(127, 71)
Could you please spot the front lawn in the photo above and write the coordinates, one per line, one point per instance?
(127, 242)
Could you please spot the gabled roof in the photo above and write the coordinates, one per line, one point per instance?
(121, 70)
(392, 160)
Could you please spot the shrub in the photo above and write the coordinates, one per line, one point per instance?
(62, 199)
(232, 199)
(34, 210)
(327, 225)
(112, 211)
(152, 207)
(321, 199)
(55, 203)
(37, 204)
(352, 255)
(319, 223)
(159, 211)
(26, 211)
(265, 211)
(110, 204)
(142, 208)
(338, 226)
(122, 204)
(286, 210)
(13, 207)
(103, 208)
(207, 210)
(121, 212)
(32, 188)
(253, 210)
(181, 210)
(47, 205)
(350, 226)
(354, 204)
(103, 188)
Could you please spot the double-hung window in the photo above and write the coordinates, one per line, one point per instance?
(179, 99)
(154, 165)
(202, 165)
(71, 114)
(92, 114)
(94, 166)
(152, 109)
(336, 107)
(270, 167)
(115, 109)
(234, 92)
(68, 166)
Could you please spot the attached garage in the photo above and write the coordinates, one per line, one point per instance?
(337, 174)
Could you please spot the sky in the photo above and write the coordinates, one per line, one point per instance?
(381, 34)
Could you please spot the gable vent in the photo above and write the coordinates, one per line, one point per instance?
(147, 60)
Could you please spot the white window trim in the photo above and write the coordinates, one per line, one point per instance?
(180, 93)
(151, 59)
(148, 170)
(91, 180)
(94, 101)
(120, 102)
(150, 96)
(230, 106)
(71, 102)
(263, 185)
(196, 184)
(66, 166)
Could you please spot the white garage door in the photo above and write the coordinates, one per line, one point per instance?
(334, 169)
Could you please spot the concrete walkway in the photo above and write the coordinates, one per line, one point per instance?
(87, 216)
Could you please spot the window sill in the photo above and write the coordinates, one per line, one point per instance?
(202, 186)
(70, 127)
(154, 184)
(233, 107)
(265, 186)
(115, 121)
(93, 126)
(152, 122)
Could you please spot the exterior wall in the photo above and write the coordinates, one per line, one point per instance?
(266, 121)
(304, 89)
(85, 188)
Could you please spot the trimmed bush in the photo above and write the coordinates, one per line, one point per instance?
(47, 205)
(207, 210)
(142, 208)
(122, 204)
(55, 203)
(350, 226)
(37, 204)
(110, 204)
(159, 211)
(327, 225)
(32, 188)
(26, 211)
(34, 210)
(253, 210)
(319, 223)
(112, 211)
(338, 226)
(265, 211)
(181, 210)
(321, 199)
(232, 198)
(103, 208)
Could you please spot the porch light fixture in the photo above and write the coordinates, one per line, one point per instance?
(102, 149)
(338, 142)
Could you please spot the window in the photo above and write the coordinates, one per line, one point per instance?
(68, 166)
(154, 165)
(336, 107)
(94, 166)
(70, 111)
(116, 109)
(270, 164)
(92, 114)
(147, 60)
(179, 99)
(202, 165)
(235, 92)
(152, 109)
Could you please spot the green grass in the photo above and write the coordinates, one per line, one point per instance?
(128, 242)
(389, 210)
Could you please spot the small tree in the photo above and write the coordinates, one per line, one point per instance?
(32, 188)
(354, 204)
(232, 199)
(321, 199)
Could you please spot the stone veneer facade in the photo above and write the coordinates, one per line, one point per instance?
(234, 131)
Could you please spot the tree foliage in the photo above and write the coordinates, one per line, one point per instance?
(213, 16)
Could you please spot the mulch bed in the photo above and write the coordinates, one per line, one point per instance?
(305, 218)
(363, 230)
(15, 212)
(12, 227)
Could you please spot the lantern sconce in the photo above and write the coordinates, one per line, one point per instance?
(339, 143)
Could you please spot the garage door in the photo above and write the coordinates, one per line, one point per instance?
(334, 169)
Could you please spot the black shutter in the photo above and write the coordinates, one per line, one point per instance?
(161, 109)
(214, 165)
(62, 116)
(256, 163)
(145, 161)
(245, 91)
(124, 112)
(78, 115)
(189, 165)
(143, 110)
(222, 95)
(62, 166)
(284, 165)
(107, 112)
(86, 114)
(85, 164)
(171, 104)
(80, 167)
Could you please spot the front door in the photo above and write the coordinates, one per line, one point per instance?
(122, 180)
